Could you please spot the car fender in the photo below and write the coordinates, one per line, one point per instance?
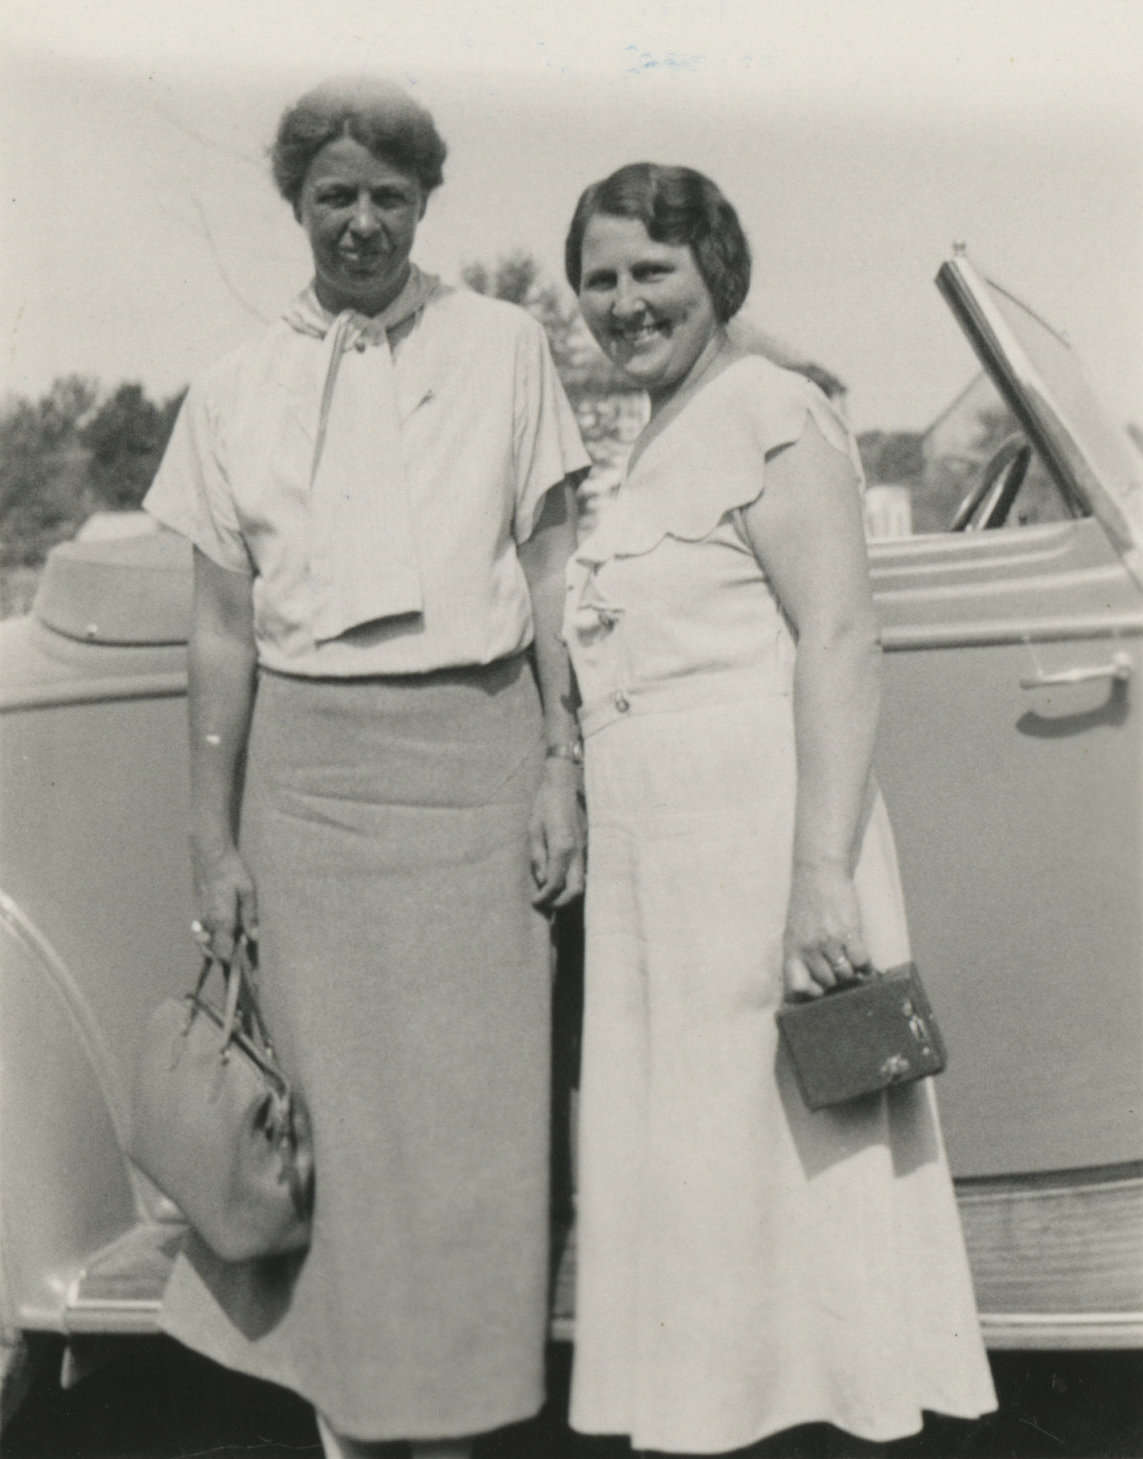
(66, 1186)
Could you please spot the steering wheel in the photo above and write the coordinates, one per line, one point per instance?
(988, 503)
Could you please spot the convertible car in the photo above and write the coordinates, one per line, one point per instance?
(1012, 760)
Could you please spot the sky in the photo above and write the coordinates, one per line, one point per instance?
(858, 140)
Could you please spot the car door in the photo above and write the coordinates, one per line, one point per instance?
(1012, 761)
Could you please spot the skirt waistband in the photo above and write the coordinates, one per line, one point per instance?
(483, 676)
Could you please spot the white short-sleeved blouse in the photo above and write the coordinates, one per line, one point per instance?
(486, 431)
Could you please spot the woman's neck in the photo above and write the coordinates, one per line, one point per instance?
(370, 306)
(716, 354)
(713, 353)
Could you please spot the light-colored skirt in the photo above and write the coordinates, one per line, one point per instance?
(744, 1265)
(406, 980)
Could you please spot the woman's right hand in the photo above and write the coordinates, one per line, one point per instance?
(823, 944)
(226, 900)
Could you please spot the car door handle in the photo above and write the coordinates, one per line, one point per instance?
(1118, 670)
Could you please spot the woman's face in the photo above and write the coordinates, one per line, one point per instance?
(360, 214)
(645, 302)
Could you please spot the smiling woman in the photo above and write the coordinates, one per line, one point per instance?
(660, 262)
(647, 305)
(721, 624)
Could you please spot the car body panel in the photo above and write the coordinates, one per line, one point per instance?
(1024, 806)
(95, 904)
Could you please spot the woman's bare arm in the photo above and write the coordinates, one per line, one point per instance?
(808, 533)
(221, 662)
(557, 830)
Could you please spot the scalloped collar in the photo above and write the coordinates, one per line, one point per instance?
(707, 459)
(656, 497)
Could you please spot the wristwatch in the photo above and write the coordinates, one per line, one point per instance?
(572, 751)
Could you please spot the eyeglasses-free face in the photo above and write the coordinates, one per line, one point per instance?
(646, 303)
(360, 214)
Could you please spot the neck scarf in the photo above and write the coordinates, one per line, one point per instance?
(363, 561)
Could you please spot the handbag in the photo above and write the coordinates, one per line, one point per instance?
(216, 1125)
(862, 1036)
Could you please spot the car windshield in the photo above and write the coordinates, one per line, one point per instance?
(956, 449)
(1043, 385)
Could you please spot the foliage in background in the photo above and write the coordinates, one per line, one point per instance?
(947, 479)
(81, 449)
(127, 437)
(895, 457)
(518, 279)
(71, 453)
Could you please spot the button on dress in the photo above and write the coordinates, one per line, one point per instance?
(744, 1265)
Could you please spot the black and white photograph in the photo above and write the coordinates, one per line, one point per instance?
(571, 765)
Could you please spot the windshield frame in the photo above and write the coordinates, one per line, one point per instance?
(1111, 490)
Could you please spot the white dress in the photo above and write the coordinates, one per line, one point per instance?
(744, 1265)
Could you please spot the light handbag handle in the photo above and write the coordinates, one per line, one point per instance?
(241, 1014)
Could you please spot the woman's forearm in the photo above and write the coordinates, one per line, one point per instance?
(221, 697)
(556, 831)
(543, 558)
(836, 702)
(221, 660)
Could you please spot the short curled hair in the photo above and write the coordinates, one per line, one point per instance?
(676, 205)
(380, 115)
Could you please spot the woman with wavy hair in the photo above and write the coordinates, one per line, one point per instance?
(384, 793)
(745, 1266)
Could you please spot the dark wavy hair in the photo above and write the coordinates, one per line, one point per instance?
(676, 205)
(380, 115)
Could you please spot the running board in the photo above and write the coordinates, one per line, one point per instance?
(121, 1287)
(120, 1290)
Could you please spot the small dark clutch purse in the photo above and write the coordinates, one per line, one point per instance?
(862, 1037)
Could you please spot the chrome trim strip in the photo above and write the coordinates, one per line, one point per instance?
(1063, 1319)
(1012, 1189)
(88, 691)
(1068, 1179)
(1047, 545)
(1061, 1331)
(114, 1318)
(1050, 1331)
(1011, 631)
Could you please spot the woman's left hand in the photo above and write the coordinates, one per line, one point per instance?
(823, 943)
(556, 836)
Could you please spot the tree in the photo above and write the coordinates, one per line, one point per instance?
(127, 437)
(65, 455)
(43, 469)
(518, 278)
(896, 457)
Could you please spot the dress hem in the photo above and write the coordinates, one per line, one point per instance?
(869, 1433)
